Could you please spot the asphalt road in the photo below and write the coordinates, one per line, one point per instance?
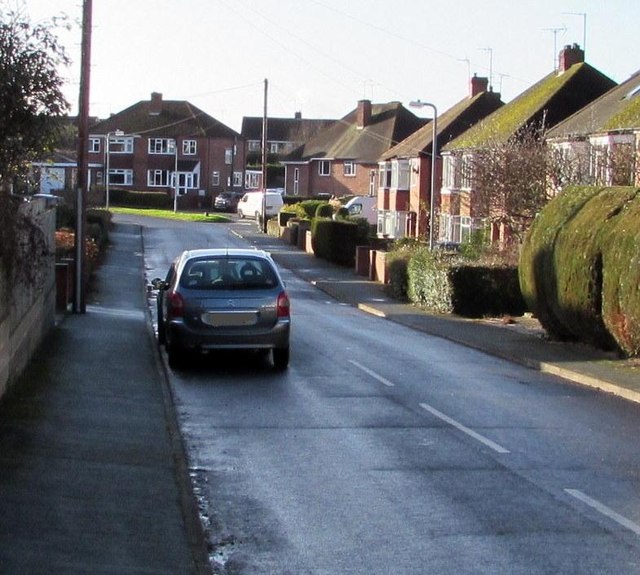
(384, 450)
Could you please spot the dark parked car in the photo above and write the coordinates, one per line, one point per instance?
(227, 201)
(222, 298)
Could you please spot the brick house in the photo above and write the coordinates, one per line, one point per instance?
(404, 184)
(343, 158)
(152, 141)
(571, 87)
(602, 141)
(283, 136)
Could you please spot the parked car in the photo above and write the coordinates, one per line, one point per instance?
(227, 201)
(364, 207)
(250, 206)
(223, 298)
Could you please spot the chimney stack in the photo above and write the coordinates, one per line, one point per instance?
(156, 104)
(478, 85)
(569, 56)
(364, 113)
(298, 116)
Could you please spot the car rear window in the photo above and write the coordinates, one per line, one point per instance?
(228, 273)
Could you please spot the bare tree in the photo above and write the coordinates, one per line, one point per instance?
(513, 179)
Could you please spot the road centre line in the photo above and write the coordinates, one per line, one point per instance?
(372, 374)
(606, 511)
(464, 429)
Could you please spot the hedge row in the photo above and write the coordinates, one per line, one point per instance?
(132, 199)
(446, 283)
(334, 240)
(580, 267)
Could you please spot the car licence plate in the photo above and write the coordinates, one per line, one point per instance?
(230, 318)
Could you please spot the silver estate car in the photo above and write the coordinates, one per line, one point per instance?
(222, 298)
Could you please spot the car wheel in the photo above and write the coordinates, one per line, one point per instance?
(176, 356)
(280, 358)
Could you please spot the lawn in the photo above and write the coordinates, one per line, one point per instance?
(171, 215)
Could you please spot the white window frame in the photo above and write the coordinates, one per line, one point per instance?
(189, 147)
(158, 178)
(237, 179)
(252, 180)
(324, 168)
(120, 145)
(215, 178)
(161, 146)
(228, 156)
(349, 169)
(94, 145)
(253, 145)
(127, 177)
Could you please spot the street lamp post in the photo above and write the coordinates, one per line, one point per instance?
(434, 150)
(175, 175)
(107, 154)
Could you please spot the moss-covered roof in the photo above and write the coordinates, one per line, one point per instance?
(618, 109)
(451, 123)
(553, 98)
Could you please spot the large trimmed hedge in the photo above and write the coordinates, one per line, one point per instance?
(580, 267)
(334, 240)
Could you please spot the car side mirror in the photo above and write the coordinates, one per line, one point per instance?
(158, 283)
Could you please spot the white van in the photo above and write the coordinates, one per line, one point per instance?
(250, 205)
(364, 207)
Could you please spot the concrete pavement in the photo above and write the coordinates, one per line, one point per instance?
(92, 473)
(523, 342)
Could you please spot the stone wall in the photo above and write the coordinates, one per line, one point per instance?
(27, 309)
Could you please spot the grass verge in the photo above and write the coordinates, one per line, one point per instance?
(170, 215)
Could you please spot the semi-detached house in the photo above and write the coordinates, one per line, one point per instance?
(571, 87)
(602, 141)
(163, 145)
(342, 159)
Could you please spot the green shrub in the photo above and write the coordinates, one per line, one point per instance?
(397, 263)
(324, 210)
(307, 209)
(334, 241)
(428, 284)
(133, 199)
(579, 267)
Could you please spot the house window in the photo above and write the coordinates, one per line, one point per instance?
(94, 145)
(189, 147)
(372, 183)
(162, 146)
(296, 181)
(324, 168)
(215, 179)
(254, 146)
(252, 180)
(273, 147)
(385, 175)
(228, 156)
(120, 145)
(158, 178)
(237, 179)
(349, 168)
(466, 172)
(121, 177)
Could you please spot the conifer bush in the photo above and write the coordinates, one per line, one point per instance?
(579, 267)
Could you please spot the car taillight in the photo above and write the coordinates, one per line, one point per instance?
(283, 305)
(175, 305)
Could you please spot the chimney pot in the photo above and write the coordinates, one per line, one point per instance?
(569, 56)
(364, 113)
(478, 85)
(156, 103)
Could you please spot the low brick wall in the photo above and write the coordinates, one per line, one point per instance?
(27, 312)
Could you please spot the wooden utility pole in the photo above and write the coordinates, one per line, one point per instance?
(264, 159)
(79, 304)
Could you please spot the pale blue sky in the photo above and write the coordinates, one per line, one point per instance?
(322, 56)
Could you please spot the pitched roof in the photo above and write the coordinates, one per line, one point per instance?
(389, 124)
(451, 124)
(618, 109)
(296, 129)
(164, 118)
(551, 100)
